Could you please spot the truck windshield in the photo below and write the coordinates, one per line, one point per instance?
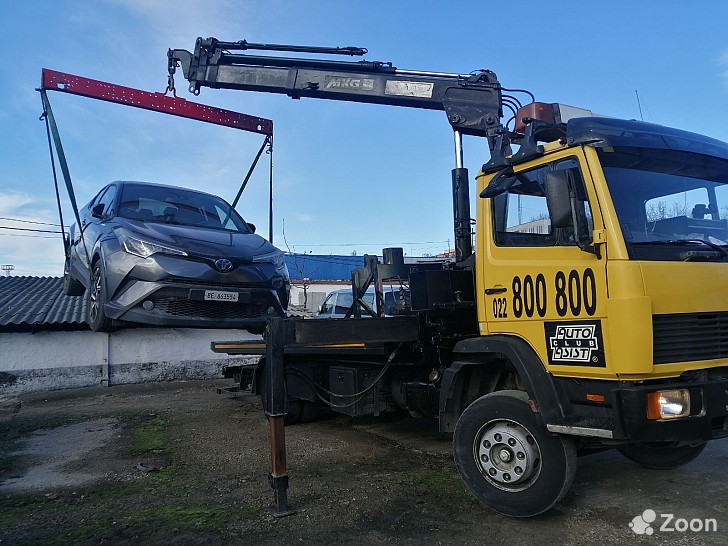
(668, 201)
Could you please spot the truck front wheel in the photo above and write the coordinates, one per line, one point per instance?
(661, 455)
(508, 460)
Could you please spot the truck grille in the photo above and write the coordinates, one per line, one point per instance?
(687, 337)
(181, 307)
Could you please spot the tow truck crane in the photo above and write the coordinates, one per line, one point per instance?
(599, 321)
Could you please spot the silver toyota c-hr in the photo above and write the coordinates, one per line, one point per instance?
(168, 256)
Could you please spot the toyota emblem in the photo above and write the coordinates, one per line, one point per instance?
(224, 265)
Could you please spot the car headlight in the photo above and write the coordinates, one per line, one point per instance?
(142, 247)
(276, 258)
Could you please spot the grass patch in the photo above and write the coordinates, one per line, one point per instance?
(173, 516)
(165, 520)
(13, 510)
(148, 434)
(444, 483)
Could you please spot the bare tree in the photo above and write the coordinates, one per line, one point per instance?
(303, 280)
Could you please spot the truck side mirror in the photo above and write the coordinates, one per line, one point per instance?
(558, 198)
(565, 208)
(251, 227)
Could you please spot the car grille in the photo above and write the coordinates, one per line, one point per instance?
(689, 336)
(181, 307)
(228, 285)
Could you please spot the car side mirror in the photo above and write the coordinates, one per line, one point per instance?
(97, 211)
(251, 226)
(558, 198)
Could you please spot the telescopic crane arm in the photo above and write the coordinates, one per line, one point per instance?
(472, 102)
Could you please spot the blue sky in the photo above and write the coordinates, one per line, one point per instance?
(348, 177)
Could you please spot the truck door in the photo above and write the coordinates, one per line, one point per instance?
(535, 281)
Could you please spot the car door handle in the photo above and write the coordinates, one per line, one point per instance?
(499, 290)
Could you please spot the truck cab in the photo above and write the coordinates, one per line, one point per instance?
(619, 232)
(601, 274)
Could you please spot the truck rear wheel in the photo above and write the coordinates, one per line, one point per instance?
(297, 410)
(661, 455)
(508, 460)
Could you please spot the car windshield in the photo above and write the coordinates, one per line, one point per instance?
(148, 203)
(667, 198)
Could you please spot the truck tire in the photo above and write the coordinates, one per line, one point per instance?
(661, 455)
(508, 460)
(297, 411)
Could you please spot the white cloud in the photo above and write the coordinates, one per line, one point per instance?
(32, 253)
(723, 61)
(305, 218)
(37, 256)
(177, 23)
(12, 200)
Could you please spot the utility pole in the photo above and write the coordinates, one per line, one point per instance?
(7, 268)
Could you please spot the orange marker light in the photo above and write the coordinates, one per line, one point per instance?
(668, 404)
(653, 405)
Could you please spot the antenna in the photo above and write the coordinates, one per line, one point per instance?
(639, 105)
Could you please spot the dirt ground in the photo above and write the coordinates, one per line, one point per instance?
(177, 463)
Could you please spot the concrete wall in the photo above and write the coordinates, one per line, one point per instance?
(61, 360)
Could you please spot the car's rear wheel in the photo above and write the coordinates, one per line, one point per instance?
(96, 299)
(71, 286)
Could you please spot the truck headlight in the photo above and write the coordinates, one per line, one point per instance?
(668, 404)
(142, 247)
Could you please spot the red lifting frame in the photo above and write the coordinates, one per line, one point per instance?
(159, 102)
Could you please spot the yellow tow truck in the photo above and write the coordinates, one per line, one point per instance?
(591, 312)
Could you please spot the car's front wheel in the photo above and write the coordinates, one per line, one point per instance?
(96, 299)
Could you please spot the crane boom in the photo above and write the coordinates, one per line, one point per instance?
(472, 102)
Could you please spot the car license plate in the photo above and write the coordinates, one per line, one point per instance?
(216, 295)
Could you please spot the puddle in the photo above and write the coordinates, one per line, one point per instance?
(51, 452)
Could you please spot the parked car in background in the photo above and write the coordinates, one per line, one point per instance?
(168, 256)
(338, 302)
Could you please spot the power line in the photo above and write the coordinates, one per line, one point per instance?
(29, 229)
(375, 244)
(27, 235)
(29, 221)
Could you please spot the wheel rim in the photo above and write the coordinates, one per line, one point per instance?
(93, 310)
(507, 455)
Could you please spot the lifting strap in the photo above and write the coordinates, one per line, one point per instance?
(52, 132)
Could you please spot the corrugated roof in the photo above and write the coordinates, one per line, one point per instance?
(38, 303)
